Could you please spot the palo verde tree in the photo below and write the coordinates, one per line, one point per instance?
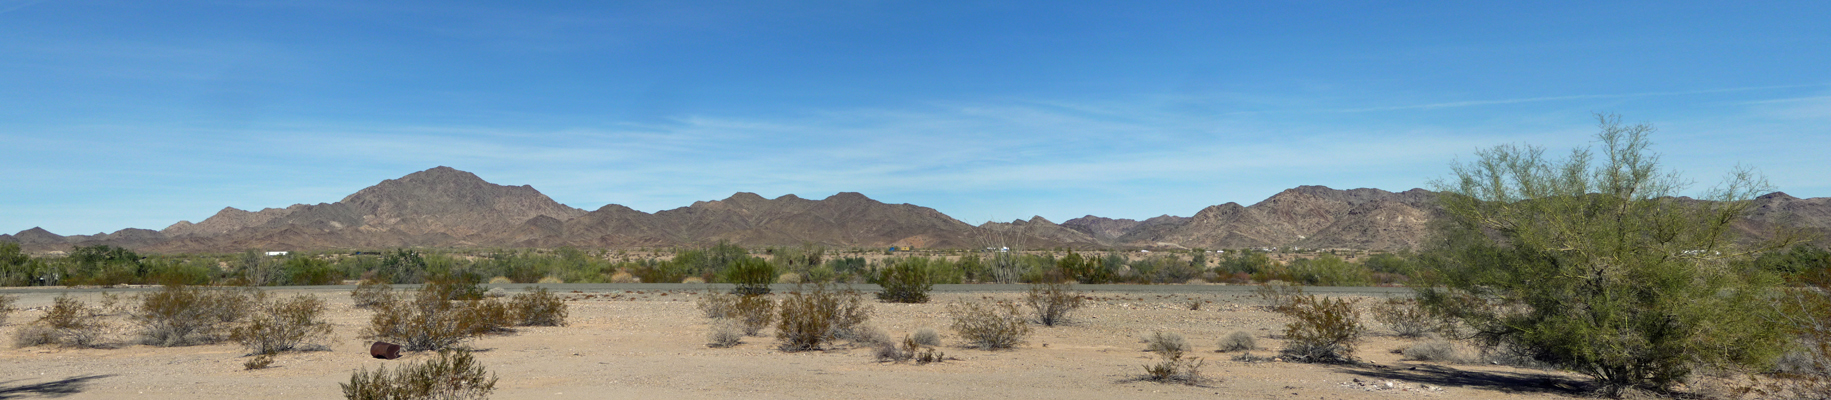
(1594, 264)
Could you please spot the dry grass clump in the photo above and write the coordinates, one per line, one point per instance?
(551, 280)
(178, 315)
(1435, 350)
(1052, 302)
(69, 322)
(623, 277)
(370, 293)
(455, 374)
(6, 307)
(1165, 342)
(724, 333)
(808, 319)
(988, 326)
(753, 312)
(260, 361)
(1321, 330)
(1404, 317)
(283, 325)
(537, 307)
(501, 280)
(1237, 341)
(1278, 296)
(911, 350)
(927, 337)
(1172, 367)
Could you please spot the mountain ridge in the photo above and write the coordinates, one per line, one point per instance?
(446, 207)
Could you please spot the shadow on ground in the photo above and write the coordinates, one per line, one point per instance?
(1447, 377)
(58, 388)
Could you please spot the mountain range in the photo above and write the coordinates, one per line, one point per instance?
(446, 207)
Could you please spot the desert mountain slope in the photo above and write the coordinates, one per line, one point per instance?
(445, 207)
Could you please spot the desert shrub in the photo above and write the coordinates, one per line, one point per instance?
(810, 318)
(716, 305)
(537, 307)
(927, 337)
(548, 280)
(259, 361)
(1172, 367)
(432, 320)
(905, 282)
(752, 275)
(1593, 263)
(501, 280)
(753, 312)
(1435, 350)
(68, 322)
(724, 333)
(1321, 330)
(989, 326)
(1239, 340)
(455, 374)
(491, 316)
(1404, 317)
(179, 315)
(370, 293)
(1052, 302)
(1165, 342)
(910, 350)
(283, 325)
(6, 307)
(1278, 296)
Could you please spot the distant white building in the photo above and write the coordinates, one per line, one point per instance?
(275, 253)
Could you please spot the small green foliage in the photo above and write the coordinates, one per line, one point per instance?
(752, 275)
(905, 282)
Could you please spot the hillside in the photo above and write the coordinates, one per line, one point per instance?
(445, 207)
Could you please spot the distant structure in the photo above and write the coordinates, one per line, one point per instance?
(900, 248)
(275, 253)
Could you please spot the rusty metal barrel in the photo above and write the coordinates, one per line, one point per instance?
(385, 350)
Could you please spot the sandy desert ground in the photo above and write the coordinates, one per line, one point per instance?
(651, 344)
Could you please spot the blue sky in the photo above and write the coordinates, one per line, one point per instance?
(121, 114)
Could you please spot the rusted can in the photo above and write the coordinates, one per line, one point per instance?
(385, 350)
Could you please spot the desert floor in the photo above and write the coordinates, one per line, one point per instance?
(652, 344)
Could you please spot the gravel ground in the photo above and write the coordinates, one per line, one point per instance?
(631, 342)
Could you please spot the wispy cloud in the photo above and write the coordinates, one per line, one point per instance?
(1455, 104)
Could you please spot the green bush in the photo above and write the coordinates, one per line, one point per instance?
(283, 325)
(989, 325)
(455, 374)
(537, 307)
(186, 315)
(433, 320)
(1595, 264)
(752, 276)
(810, 319)
(905, 282)
(1321, 330)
